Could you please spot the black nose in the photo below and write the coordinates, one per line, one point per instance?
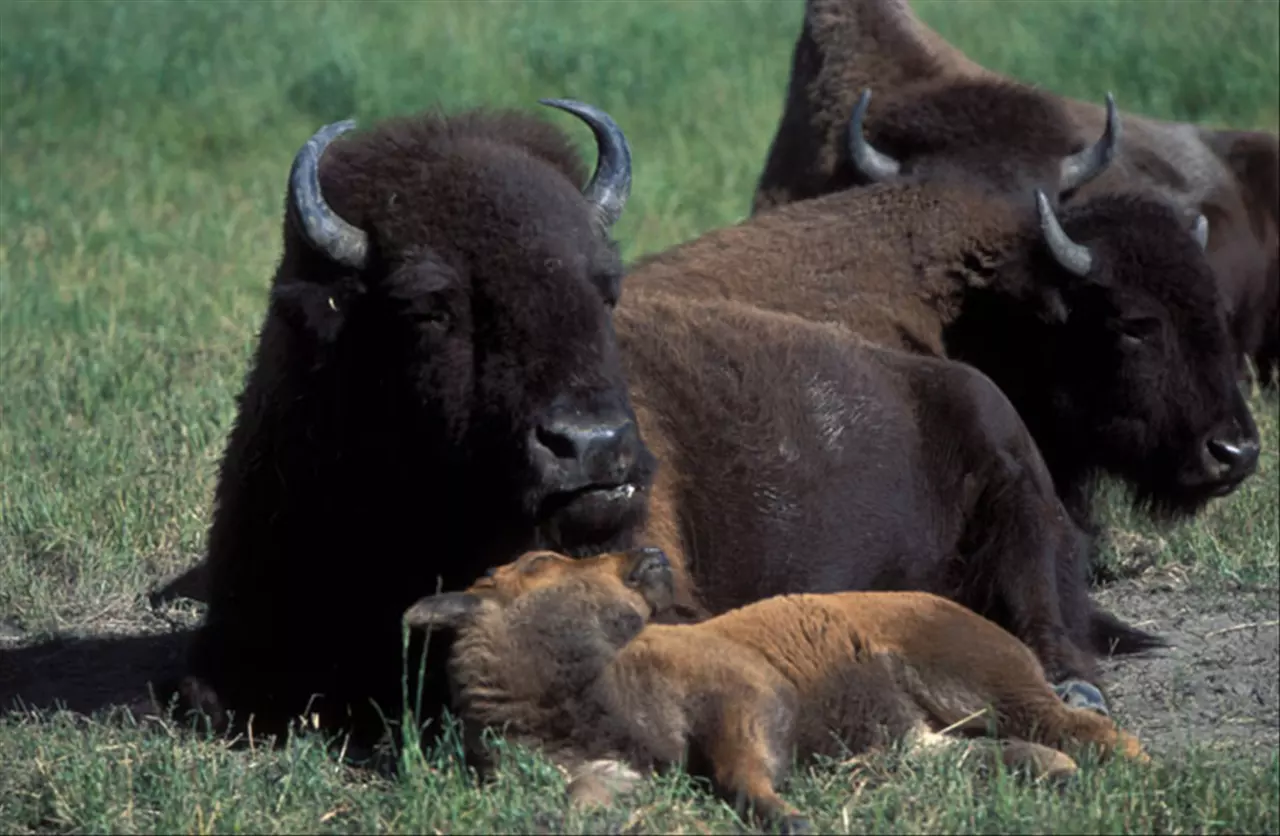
(1237, 457)
(577, 449)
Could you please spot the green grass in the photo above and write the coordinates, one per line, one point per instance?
(143, 153)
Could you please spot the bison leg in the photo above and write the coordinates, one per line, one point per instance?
(1022, 552)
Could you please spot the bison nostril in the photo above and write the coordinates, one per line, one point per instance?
(577, 442)
(562, 441)
(1236, 455)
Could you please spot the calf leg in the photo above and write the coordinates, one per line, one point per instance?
(745, 755)
(959, 691)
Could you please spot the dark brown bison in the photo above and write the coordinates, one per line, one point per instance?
(939, 113)
(442, 383)
(1103, 327)
(436, 387)
(561, 654)
(796, 457)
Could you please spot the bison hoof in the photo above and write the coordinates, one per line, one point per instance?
(1080, 694)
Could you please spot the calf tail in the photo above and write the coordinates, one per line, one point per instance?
(1111, 636)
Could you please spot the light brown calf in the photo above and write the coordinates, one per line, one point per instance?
(558, 653)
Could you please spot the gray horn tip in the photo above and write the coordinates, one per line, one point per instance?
(875, 165)
(1200, 231)
(610, 185)
(326, 231)
(1073, 257)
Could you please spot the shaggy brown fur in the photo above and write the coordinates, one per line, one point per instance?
(556, 653)
(939, 113)
(383, 442)
(797, 458)
(1127, 371)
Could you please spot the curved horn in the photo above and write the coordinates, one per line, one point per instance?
(610, 185)
(1200, 231)
(1074, 258)
(1081, 167)
(875, 166)
(319, 224)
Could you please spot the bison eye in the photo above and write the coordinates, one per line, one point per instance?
(1139, 329)
(434, 316)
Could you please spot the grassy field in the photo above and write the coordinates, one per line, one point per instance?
(144, 149)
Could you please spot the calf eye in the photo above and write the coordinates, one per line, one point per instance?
(1139, 329)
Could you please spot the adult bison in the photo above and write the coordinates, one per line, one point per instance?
(442, 383)
(937, 112)
(436, 387)
(1103, 328)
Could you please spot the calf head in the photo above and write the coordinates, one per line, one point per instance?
(452, 272)
(543, 626)
(1135, 351)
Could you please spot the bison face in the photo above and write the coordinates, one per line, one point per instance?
(1144, 354)
(470, 286)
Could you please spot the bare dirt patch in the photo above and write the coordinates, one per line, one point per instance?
(1218, 685)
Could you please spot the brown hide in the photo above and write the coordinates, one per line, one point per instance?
(941, 269)
(846, 46)
(796, 457)
(557, 654)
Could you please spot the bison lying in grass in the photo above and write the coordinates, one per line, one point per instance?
(443, 383)
(938, 112)
(1101, 323)
(559, 653)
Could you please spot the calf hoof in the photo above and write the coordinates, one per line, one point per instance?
(1077, 693)
(793, 824)
(1043, 763)
(600, 783)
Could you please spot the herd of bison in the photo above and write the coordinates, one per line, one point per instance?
(829, 469)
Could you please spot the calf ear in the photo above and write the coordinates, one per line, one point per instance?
(448, 610)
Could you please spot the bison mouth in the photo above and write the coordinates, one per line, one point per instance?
(595, 513)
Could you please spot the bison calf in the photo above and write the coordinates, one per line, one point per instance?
(559, 652)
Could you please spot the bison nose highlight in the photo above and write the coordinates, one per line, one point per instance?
(577, 451)
(1233, 459)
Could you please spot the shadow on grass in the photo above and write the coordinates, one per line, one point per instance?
(89, 674)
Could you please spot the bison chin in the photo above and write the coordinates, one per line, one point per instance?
(593, 519)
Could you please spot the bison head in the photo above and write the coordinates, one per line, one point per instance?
(1141, 353)
(1004, 136)
(452, 277)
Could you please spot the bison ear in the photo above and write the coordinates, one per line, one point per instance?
(1053, 307)
(318, 310)
(448, 610)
